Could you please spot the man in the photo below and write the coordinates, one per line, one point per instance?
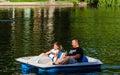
(74, 55)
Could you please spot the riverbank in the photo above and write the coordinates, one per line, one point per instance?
(82, 4)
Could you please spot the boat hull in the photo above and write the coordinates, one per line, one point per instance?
(81, 69)
(26, 68)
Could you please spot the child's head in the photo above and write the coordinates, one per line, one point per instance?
(58, 46)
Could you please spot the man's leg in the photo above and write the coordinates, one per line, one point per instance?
(64, 60)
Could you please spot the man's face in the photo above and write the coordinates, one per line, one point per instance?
(73, 43)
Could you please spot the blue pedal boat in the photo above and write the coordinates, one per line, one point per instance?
(43, 64)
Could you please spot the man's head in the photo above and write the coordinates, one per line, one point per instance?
(75, 43)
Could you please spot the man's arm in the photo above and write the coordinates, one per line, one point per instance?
(76, 56)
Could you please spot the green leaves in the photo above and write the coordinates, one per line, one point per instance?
(109, 3)
(105, 2)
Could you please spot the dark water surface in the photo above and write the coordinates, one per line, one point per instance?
(31, 31)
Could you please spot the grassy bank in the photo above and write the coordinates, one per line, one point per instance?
(93, 2)
(41, 0)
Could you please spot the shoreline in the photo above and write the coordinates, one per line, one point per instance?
(69, 4)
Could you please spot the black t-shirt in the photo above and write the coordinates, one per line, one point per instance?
(75, 51)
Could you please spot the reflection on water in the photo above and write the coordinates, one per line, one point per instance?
(31, 31)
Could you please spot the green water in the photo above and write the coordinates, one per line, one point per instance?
(31, 31)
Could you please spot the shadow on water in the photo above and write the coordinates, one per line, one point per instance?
(36, 71)
(105, 70)
(95, 73)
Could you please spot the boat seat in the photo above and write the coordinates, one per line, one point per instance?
(60, 54)
(84, 59)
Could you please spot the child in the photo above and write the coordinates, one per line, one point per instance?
(53, 53)
(61, 59)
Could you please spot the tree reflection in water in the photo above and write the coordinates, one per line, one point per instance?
(30, 31)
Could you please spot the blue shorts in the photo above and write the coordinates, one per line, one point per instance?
(72, 60)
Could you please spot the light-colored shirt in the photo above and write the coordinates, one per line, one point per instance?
(53, 52)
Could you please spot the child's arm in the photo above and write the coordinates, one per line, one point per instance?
(48, 52)
(45, 53)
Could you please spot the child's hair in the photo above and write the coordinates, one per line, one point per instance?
(59, 45)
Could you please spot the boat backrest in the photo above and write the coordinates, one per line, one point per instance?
(60, 54)
(84, 59)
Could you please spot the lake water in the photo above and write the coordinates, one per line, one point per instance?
(30, 31)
